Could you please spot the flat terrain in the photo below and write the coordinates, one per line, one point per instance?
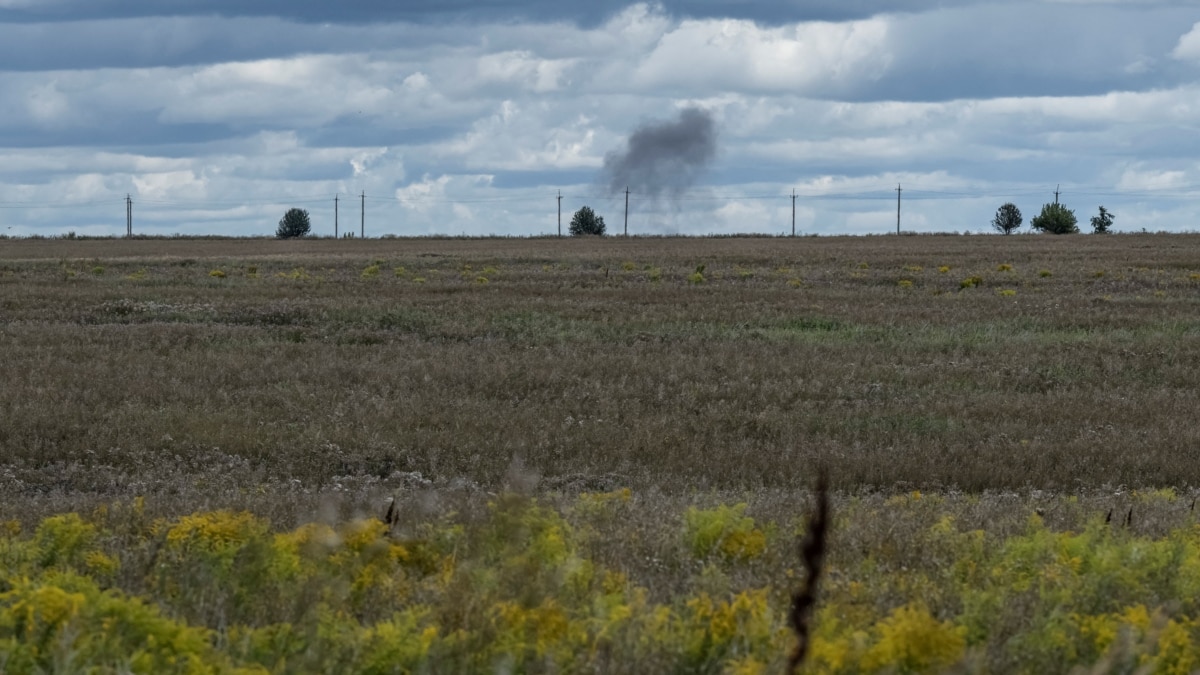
(236, 372)
(600, 454)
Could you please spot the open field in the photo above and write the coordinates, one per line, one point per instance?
(982, 403)
(130, 368)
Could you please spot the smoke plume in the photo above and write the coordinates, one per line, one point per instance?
(664, 158)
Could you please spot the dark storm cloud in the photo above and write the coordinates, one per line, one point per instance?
(1048, 49)
(147, 42)
(664, 158)
(133, 130)
(322, 11)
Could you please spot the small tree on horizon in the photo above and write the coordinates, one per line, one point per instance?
(293, 224)
(1055, 219)
(1008, 218)
(585, 221)
(1101, 224)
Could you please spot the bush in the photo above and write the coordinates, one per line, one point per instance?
(1008, 218)
(293, 224)
(1101, 224)
(1055, 219)
(585, 221)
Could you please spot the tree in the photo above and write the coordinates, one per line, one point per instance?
(585, 221)
(294, 223)
(1102, 223)
(1008, 218)
(1055, 219)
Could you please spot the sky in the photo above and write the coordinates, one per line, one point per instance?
(452, 117)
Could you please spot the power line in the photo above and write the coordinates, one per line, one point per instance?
(915, 192)
(649, 202)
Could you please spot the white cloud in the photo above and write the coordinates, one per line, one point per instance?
(425, 194)
(523, 69)
(416, 82)
(48, 106)
(1188, 47)
(816, 57)
(91, 186)
(516, 139)
(171, 185)
(1136, 179)
(362, 160)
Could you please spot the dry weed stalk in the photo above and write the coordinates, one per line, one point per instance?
(393, 514)
(812, 552)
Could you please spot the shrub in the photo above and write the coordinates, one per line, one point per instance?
(294, 224)
(1008, 218)
(585, 221)
(1102, 223)
(1055, 219)
(724, 532)
(970, 282)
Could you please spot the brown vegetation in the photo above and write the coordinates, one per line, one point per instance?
(271, 374)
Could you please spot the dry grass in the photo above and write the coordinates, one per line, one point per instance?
(301, 379)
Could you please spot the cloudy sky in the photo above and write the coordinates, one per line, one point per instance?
(459, 117)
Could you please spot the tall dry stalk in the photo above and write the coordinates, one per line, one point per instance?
(812, 552)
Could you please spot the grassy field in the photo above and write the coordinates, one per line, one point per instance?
(981, 402)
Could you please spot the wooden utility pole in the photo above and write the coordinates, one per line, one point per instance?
(897, 208)
(626, 210)
(335, 216)
(128, 215)
(363, 223)
(793, 213)
(1056, 188)
(560, 213)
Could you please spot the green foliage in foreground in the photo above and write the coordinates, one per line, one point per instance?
(516, 590)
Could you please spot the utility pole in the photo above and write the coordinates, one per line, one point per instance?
(363, 223)
(560, 213)
(793, 213)
(335, 215)
(1056, 188)
(128, 215)
(626, 210)
(897, 208)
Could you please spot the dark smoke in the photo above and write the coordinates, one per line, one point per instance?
(664, 158)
